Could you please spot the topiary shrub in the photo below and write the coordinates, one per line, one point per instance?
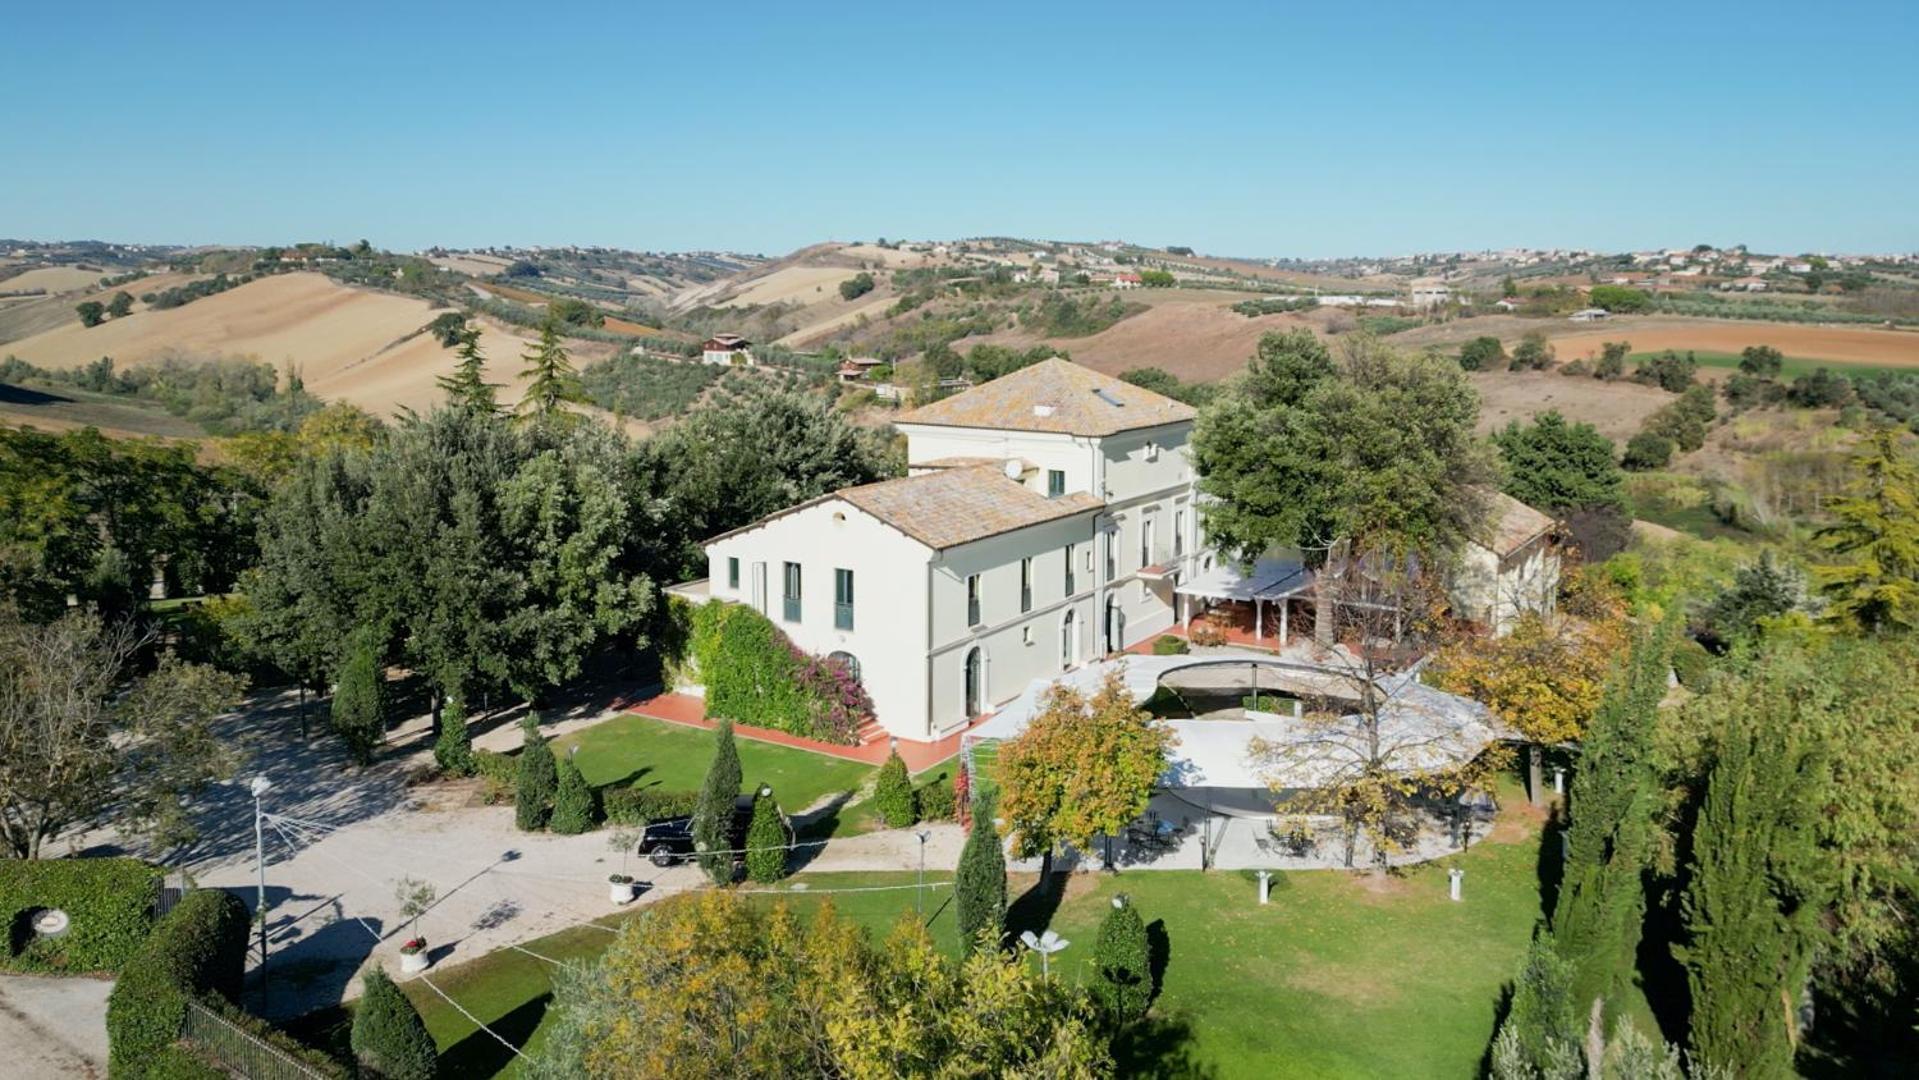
(638, 805)
(536, 778)
(109, 905)
(198, 950)
(893, 793)
(572, 803)
(766, 842)
(979, 888)
(453, 750)
(389, 1039)
(1125, 976)
(713, 816)
(1168, 645)
(935, 800)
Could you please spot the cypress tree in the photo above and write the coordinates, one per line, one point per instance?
(1541, 1034)
(1755, 898)
(1602, 903)
(980, 883)
(766, 842)
(713, 815)
(453, 750)
(573, 802)
(359, 699)
(536, 780)
(467, 387)
(893, 793)
(388, 1038)
(1120, 953)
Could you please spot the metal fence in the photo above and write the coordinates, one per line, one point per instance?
(238, 1051)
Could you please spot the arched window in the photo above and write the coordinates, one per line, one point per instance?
(851, 663)
(1068, 639)
(974, 684)
(1115, 625)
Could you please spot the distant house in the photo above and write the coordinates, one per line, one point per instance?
(1126, 281)
(855, 368)
(1511, 569)
(1430, 296)
(726, 349)
(1591, 314)
(1507, 303)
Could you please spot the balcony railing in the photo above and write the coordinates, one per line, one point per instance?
(842, 616)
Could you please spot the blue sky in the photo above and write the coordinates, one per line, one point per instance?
(1265, 129)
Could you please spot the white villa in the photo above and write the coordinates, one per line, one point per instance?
(1046, 519)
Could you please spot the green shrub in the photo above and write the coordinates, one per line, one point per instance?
(359, 701)
(389, 1039)
(713, 816)
(638, 805)
(935, 800)
(194, 1059)
(198, 950)
(109, 903)
(498, 775)
(766, 842)
(454, 748)
(1125, 977)
(1484, 353)
(893, 793)
(1647, 450)
(573, 803)
(1168, 645)
(979, 887)
(754, 675)
(1691, 664)
(535, 780)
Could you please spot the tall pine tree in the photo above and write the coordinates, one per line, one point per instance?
(1602, 901)
(551, 380)
(1875, 528)
(713, 815)
(467, 387)
(1757, 893)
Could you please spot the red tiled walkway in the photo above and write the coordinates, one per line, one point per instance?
(690, 711)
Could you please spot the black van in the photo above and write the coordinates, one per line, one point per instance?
(669, 842)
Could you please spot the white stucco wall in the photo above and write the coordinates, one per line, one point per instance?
(1495, 592)
(889, 598)
(1073, 456)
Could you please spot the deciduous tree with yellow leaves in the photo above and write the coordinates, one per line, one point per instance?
(1543, 679)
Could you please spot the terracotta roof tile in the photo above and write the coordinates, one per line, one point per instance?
(958, 506)
(1512, 523)
(1053, 396)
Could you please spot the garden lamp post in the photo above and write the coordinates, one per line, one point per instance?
(1453, 877)
(1045, 945)
(259, 786)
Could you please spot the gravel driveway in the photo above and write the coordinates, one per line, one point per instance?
(53, 1027)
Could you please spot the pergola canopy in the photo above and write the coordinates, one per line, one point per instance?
(1266, 579)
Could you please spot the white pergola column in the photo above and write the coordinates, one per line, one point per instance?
(1259, 618)
(1285, 608)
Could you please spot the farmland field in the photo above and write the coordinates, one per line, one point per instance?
(1793, 366)
(1836, 345)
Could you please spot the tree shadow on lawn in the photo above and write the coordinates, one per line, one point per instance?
(1034, 909)
(1551, 863)
(480, 1054)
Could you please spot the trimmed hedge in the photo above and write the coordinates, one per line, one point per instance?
(109, 901)
(638, 805)
(198, 951)
(936, 800)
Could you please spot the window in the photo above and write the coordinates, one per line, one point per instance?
(1112, 554)
(1025, 585)
(1179, 533)
(1055, 483)
(1067, 562)
(733, 573)
(1068, 639)
(847, 660)
(791, 592)
(972, 599)
(1146, 523)
(843, 599)
(1026, 634)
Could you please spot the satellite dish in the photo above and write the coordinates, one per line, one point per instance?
(1013, 469)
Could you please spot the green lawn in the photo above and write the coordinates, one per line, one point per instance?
(638, 749)
(1341, 975)
(1792, 367)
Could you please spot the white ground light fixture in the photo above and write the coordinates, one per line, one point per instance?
(1045, 945)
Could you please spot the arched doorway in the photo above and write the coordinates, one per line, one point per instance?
(1115, 625)
(851, 662)
(1068, 639)
(973, 683)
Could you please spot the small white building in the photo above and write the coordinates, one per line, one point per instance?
(1512, 568)
(1126, 281)
(1046, 520)
(726, 349)
(1591, 314)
